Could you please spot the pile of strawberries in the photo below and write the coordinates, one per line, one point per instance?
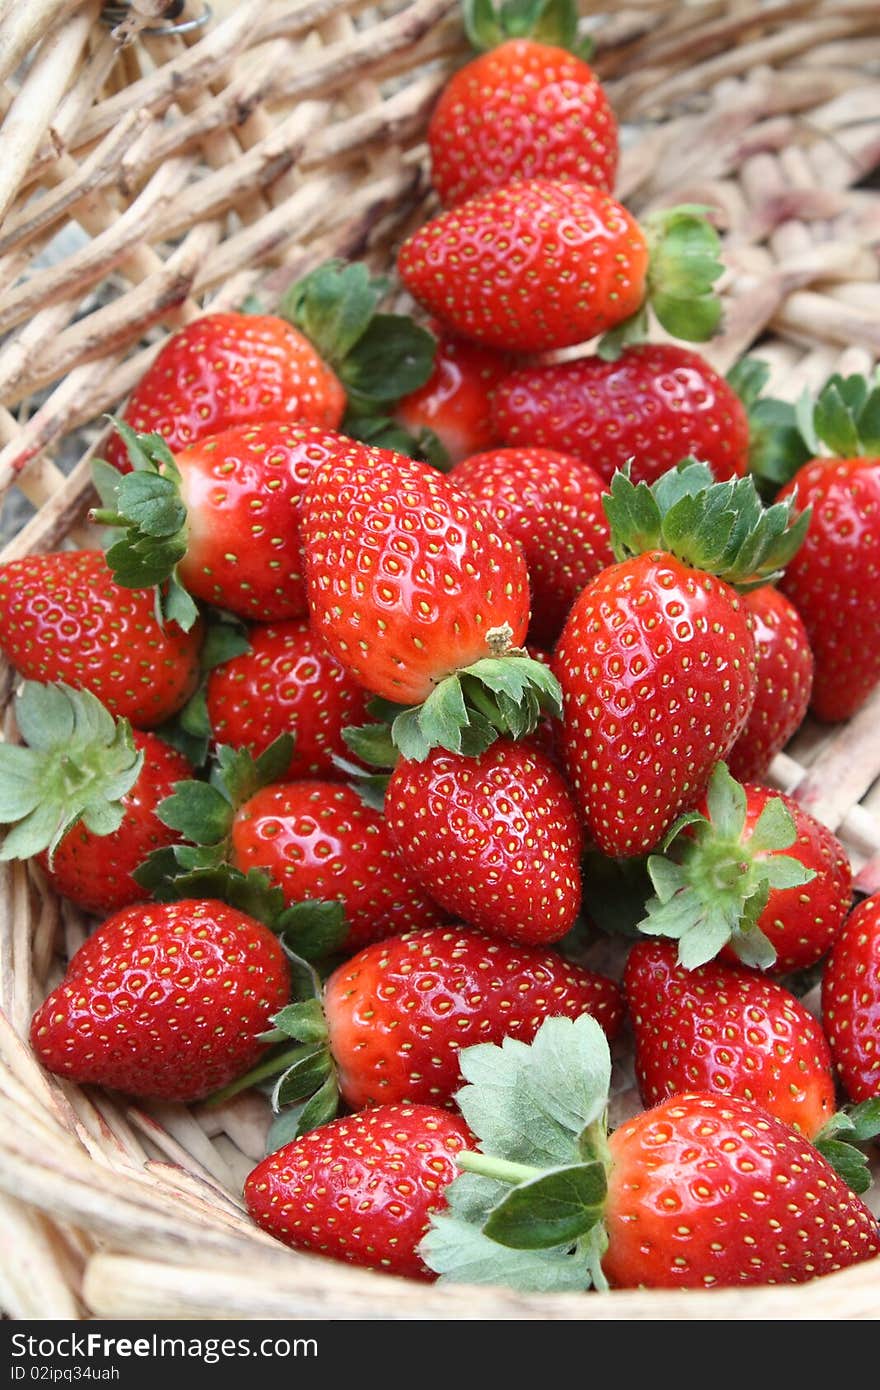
(411, 643)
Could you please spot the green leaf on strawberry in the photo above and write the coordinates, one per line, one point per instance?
(553, 22)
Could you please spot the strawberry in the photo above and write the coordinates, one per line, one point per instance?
(526, 109)
(286, 682)
(363, 1188)
(455, 403)
(724, 1029)
(652, 405)
(552, 504)
(424, 601)
(219, 520)
(657, 660)
(703, 1191)
(330, 348)
(62, 618)
(164, 1000)
(851, 1001)
(319, 841)
(784, 679)
(752, 876)
(545, 264)
(839, 562)
(494, 839)
(83, 795)
(389, 1024)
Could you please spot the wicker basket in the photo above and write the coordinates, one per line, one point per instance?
(147, 174)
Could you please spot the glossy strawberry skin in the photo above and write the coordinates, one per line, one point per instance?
(494, 839)
(399, 1011)
(800, 923)
(653, 406)
(538, 265)
(287, 683)
(851, 1001)
(712, 1192)
(657, 668)
(95, 871)
(406, 576)
(230, 369)
(828, 579)
(63, 618)
(729, 1031)
(522, 110)
(361, 1189)
(456, 400)
(552, 504)
(784, 680)
(317, 840)
(164, 1000)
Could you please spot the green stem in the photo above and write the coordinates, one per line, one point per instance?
(497, 1168)
(272, 1066)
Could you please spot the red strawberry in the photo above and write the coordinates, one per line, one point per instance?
(552, 504)
(784, 679)
(494, 839)
(413, 589)
(752, 876)
(838, 565)
(223, 517)
(710, 1192)
(656, 660)
(524, 110)
(361, 1189)
(455, 401)
(851, 1001)
(545, 264)
(726, 1030)
(230, 369)
(62, 618)
(703, 1191)
(318, 841)
(650, 407)
(287, 683)
(164, 1000)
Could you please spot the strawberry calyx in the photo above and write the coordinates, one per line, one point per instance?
(844, 419)
(683, 265)
(776, 445)
(527, 1211)
(722, 528)
(713, 882)
(379, 358)
(546, 21)
(838, 1139)
(76, 764)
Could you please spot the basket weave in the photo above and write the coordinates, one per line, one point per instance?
(146, 176)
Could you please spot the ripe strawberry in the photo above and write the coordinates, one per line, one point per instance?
(286, 683)
(222, 517)
(750, 875)
(524, 110)
(330, 348)
(361, 1189)
(703, 1191)
(654, 404)
(164, 1000)
(784, 679)
(82, 797)
(318, 842)
(656, 660)
(851, 1001)
(723, 1029)
(422, 599)
(455, 402)
(552, 504)
(837, 567)
(62, 618)
(545, 264)
(494, 839)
